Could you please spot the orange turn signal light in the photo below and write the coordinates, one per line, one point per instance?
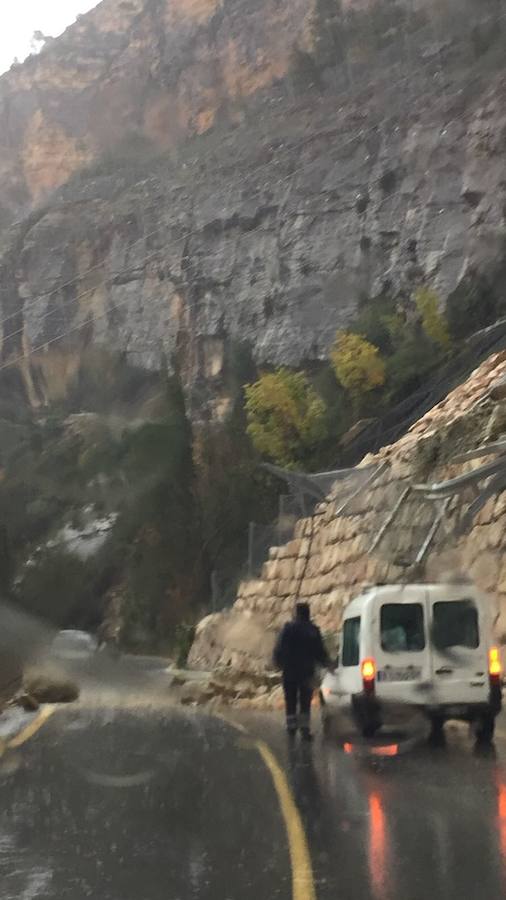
(368, 670)
(494, 662)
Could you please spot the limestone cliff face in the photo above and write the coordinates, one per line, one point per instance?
(160, 68)
(252, 171)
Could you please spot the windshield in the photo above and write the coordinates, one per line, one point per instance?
(252, 426)
(455, 624)
(402, 627)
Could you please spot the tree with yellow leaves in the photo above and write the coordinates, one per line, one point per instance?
(357, 364)
(286, 416)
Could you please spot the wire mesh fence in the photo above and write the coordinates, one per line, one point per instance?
(398, 420)
(262, 537)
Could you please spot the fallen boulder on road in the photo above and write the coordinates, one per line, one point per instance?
(25, 701)
(44, 687)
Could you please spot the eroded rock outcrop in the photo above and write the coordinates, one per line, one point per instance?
(312, 155)
(152, 68)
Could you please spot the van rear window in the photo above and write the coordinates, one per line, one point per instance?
(455, 624)
(351, 642)
(402, 628)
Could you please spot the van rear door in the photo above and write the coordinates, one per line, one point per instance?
(402, 656)
(349, 668)
(459, 642)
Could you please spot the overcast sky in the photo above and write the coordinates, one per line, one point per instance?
(20, 18)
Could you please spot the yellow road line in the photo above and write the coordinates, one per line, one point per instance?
(303, 887)
(31, 729)
(302, 871)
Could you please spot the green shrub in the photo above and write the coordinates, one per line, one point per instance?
(358, 365)
(286, 417)
(409, 366)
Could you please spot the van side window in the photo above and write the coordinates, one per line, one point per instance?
(402, 629)
(455, 624)
(351, 642)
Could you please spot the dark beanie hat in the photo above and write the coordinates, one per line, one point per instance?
(302, 611)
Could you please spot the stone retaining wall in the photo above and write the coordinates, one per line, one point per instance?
(336, 552)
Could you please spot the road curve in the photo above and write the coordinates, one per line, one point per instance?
(150, 802)
(139, 805)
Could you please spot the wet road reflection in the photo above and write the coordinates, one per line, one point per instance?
(378, 862)
(428, 824)
(140, 805)
(148, 803)
(501, 815)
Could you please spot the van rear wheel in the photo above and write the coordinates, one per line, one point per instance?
(327, 720)
(328, 728)
(437, 735)
(485, 728)
(370, 729)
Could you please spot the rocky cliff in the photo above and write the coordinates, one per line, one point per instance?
(188, 175)
(151, 68)
(381, 530)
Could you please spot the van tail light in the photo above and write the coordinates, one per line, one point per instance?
(495, 679)
(368, 669)
(494, 665)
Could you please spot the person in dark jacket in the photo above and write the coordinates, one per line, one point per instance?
(299, 649)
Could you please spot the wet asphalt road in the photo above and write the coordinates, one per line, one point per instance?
(118, 802)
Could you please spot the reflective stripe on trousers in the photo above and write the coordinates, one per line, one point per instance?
(304, 720)
(298, 695)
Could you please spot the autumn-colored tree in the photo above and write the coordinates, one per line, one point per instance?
(357, 364)
(433, 321)
(286, 416)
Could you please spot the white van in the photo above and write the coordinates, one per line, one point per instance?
(428, 646)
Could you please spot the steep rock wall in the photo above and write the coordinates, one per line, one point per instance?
(152, 67)
(317, 155)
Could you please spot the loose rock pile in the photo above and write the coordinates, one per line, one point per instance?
(226, 687)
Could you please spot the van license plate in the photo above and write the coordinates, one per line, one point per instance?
(456, 710)
(398, 674)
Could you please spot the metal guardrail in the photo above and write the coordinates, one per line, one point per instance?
(461, 482)
(377, 471)
(485, 450)
(389, 519)
(495, 486)
(432, 532)
(492, 473)
(316, 485)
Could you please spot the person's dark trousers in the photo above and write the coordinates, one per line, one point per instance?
(298, 695)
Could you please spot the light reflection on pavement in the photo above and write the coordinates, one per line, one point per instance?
(150, 801)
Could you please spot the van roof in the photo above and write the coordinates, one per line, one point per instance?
(450, 591)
